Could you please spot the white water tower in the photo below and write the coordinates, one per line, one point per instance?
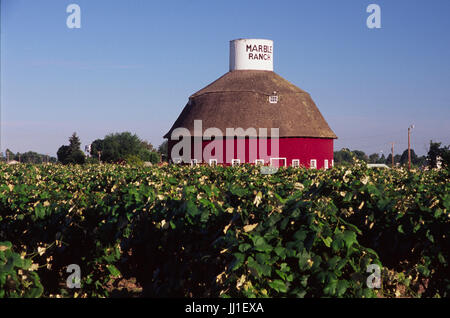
(251, 54)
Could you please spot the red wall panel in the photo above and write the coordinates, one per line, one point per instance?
(247, 150)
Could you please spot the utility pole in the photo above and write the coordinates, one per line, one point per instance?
(409, 146)
(99, 153)
(392, 154)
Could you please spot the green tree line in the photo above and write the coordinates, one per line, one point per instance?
(437, 155)
(27, 157)
(123, 147)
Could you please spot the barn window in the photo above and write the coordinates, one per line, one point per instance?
(177, 160)
(259, 162)
(295, 163)
(235, 162)
(313, 164)
(213, 162)
(193, 162)
(273, 99)
(325, 165)
(277, 160)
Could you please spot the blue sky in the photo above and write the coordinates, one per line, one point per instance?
(133, 64)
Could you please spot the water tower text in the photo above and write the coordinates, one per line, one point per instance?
(259, 52)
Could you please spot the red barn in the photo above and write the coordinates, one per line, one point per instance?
(251, 115)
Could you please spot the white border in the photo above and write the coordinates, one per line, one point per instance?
(285, 161)
(259, 161)
(233, 162)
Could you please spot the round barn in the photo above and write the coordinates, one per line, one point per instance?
(251, 115)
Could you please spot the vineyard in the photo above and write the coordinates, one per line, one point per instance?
(175, 231)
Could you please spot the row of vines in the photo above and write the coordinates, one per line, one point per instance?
(176, 231)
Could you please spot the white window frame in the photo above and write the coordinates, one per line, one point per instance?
(233, 162)
(194, 162)
(296, 161)
(273, 99)
(278, 159)
(313, 164)
(259, 161)
(176, 160)
(211, 162)
(325, 164)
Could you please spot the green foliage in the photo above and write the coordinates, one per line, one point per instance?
(437, 153)
(216, 231)
(117, 147)
(72, 153)
(16, 277)
(163, 150)
(154, 157)
(30, 157)
(346, 157)
(91, 160)
(404, 158)
(134, 160)
(343, 156)
(375, 158)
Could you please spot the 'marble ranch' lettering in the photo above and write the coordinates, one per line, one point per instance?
(259, 52)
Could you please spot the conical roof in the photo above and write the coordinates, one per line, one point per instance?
(240, 99)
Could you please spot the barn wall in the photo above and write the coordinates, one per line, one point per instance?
(303, 149)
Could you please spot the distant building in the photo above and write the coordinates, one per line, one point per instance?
(377, 165)
(439, 162)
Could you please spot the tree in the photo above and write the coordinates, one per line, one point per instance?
(404, 157)
(63, 154)
(163, 149)
(30, 157)
(72, 153)
(117, 147)
(74, 142)
(360, 155)
(445, 155)
(433, 153)
(34, 157)
(437, 153)
(343, 156)
(389, 159)
(148, 146)
(155, 157)
(9, 154)
(421, 161)
(373, 158)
